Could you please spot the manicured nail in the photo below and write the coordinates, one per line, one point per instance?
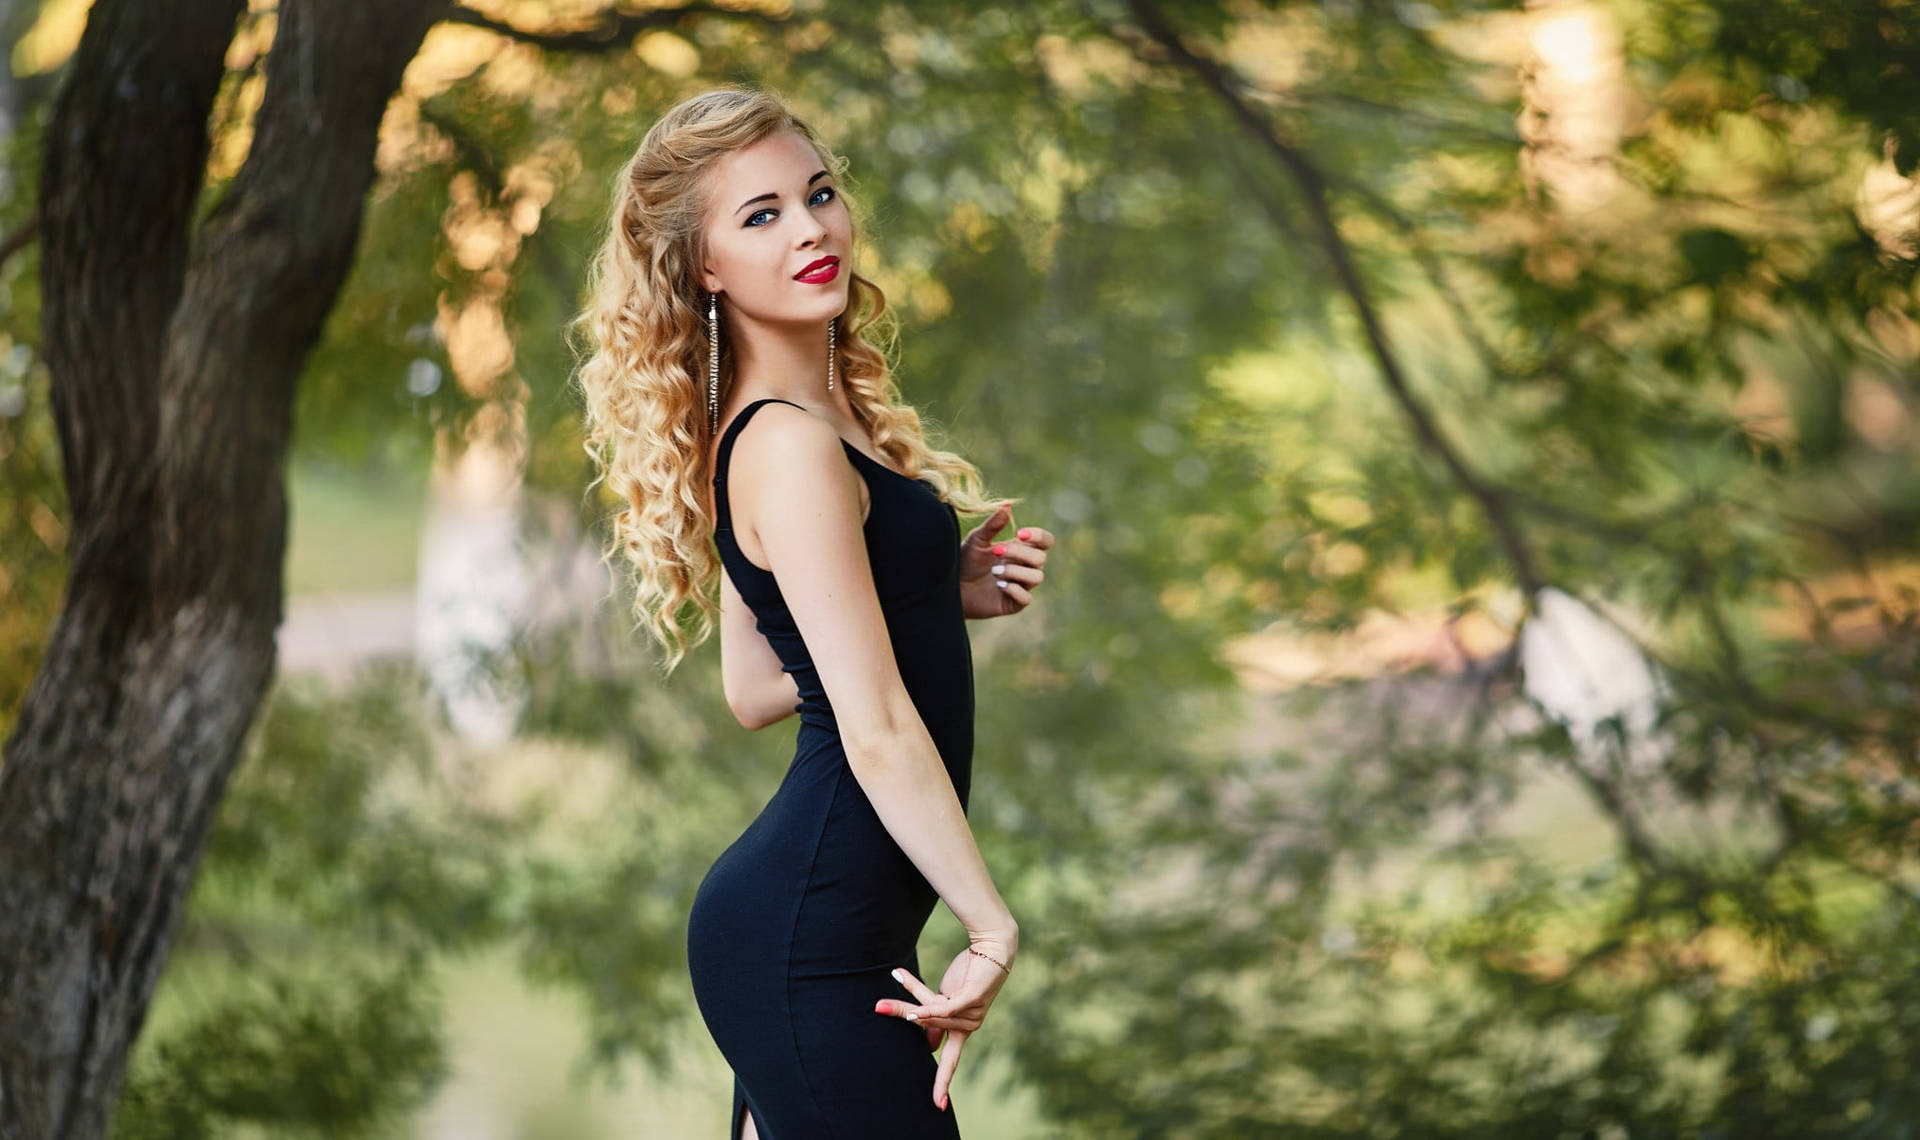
(899, 975)
(943, 1104)
(1000, 582)
(1025, 534)
(999, 569)
(913, 1017)
(999, 548)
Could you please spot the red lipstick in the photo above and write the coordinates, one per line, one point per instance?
(819, 272)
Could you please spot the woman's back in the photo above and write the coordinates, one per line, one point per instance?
(797, 927)
(913, 546)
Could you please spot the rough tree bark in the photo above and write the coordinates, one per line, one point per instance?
(174, 354)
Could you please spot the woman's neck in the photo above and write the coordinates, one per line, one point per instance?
(784, 361)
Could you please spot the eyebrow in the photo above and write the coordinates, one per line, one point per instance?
(817, 176)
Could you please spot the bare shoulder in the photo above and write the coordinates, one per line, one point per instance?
(785, 449)
(781, 433)
(790, 471)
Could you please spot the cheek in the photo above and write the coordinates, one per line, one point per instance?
(739, 262)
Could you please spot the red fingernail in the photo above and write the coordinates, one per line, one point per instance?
(999, 548)
(943, 1104)
(880, 1007)
(1025, 534)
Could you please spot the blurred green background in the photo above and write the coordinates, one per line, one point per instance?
(1473, 693)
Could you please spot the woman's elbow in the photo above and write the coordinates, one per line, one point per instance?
(761, 702)
(756, 714)
(760, 721)
(750, 718)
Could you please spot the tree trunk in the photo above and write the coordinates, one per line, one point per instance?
(174, 358)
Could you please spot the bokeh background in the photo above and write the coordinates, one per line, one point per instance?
(1473, 691)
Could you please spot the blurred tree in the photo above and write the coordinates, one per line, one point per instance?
(173, 344)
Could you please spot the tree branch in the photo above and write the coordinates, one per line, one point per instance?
(1313, 188)
(471, 153)
(1444, 286)
(613, 31)
(468, 151)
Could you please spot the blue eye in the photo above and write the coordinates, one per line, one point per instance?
(827, 190)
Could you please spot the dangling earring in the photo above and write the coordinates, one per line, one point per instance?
(713, 365)
(830, 324)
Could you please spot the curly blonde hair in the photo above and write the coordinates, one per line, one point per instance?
(643, 373)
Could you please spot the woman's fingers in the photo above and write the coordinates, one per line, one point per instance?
(914, 985)
(947, 1019)
(958, 1012)
(949, 1061)
(933, 1020)
(1039, 536)
(1018, 554)
(955, 1021)
(1034, 538)
(1025, 575)
(930, 1012)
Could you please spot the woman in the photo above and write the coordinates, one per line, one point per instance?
(728, 353)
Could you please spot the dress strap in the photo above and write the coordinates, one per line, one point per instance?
(725, 519)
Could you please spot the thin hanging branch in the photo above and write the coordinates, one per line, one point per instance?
(613, 31)
(1313, 191)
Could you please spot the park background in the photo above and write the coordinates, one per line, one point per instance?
(1472, 693)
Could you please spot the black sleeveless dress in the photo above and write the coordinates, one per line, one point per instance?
(797, 927)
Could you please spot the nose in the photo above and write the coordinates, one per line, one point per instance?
(812, 234)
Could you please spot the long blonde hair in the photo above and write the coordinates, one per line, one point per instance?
(644, 370)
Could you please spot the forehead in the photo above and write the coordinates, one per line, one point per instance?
(780, 162)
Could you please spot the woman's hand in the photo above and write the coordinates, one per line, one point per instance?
(956, 1011)
(987, 594)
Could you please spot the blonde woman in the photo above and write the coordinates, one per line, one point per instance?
(727, 355)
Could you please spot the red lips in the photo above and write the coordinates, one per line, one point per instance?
(824, 269)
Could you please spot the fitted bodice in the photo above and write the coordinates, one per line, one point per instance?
(913, 547)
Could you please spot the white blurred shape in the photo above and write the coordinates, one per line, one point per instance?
(472, 588)
(1583, 670)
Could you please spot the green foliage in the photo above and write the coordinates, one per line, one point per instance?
(1855, 54)
(311, 821)
(343, 1056)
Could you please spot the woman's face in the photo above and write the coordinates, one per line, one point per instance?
(772, 212)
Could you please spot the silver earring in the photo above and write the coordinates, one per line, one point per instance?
(830, 323)
(713, 365)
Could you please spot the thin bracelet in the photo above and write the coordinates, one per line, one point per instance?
(990, 958)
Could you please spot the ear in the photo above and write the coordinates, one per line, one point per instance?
(709, 280)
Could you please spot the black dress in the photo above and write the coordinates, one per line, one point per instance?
(795, 930)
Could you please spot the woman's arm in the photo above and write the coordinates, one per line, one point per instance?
(759, 691)
(795, 487)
